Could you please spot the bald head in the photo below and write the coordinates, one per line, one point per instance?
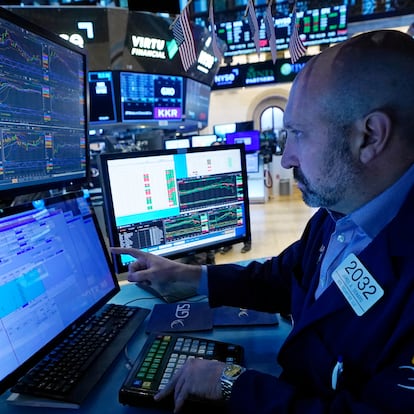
(350, 120)
(371, 71)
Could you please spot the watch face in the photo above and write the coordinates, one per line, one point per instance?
(233, 371)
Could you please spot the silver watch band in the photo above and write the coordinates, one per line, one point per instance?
(229, 375)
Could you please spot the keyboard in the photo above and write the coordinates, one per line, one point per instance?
(161, 356)
(70, 370)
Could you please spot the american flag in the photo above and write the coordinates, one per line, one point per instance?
(254, 25)
(270, 30)
(214, 43)
(183, 35)
(296, 48)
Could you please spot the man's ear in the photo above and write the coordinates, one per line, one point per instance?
(376, 130)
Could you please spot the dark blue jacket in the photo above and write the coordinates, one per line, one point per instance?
(377, 348)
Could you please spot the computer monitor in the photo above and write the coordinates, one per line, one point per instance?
(222, 130)
(177, 143)
(55, 273)
(252, 162)
(205, 140)
(250, 139)
(43, 109)
(175, 202)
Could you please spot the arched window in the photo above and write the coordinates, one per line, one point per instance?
(271, 123)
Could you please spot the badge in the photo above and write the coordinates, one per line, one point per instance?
(358, 286)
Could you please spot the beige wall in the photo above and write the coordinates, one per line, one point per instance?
(244, 104)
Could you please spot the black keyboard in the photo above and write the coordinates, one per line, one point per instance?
(70, 371)
(161, 356)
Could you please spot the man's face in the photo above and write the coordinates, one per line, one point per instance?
(319, 152)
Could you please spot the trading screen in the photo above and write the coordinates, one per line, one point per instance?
(150, 97)
(176, 202)
(42, 109)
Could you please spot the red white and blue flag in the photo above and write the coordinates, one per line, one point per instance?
(183, 35)
(254, 25)
(214, 42)
(270, 30)
(296, 47)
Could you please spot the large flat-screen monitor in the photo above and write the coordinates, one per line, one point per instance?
(43, 109)
(151, 97)
(250, 139)
(175, 202)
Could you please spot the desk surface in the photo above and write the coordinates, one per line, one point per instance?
(261, 346)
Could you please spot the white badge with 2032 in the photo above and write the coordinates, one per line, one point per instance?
(358, 286)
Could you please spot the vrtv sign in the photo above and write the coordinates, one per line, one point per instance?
(258, 73)
(148, 47)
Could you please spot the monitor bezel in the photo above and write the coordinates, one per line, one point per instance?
(74, 181)
(110, 223)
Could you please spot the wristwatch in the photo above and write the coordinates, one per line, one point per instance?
(230, 373)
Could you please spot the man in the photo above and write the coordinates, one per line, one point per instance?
(349, 281)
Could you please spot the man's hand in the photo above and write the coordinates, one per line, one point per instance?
(198, 379)
(153, 269)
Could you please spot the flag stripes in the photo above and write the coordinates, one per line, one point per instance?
(270, 30)
(183, 35)
(296, 48)
(214, 42)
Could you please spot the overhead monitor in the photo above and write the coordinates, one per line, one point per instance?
(151, 97)
(378, 9)
(102, 106)
(250, 139)
(323, 25)
(175, 202)
(43, 109)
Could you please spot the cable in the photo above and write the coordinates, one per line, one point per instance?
(268, 179)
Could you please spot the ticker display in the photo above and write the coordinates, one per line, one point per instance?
(316, 26)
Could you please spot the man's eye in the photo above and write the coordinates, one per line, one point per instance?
(284, 134)
(293, 133)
